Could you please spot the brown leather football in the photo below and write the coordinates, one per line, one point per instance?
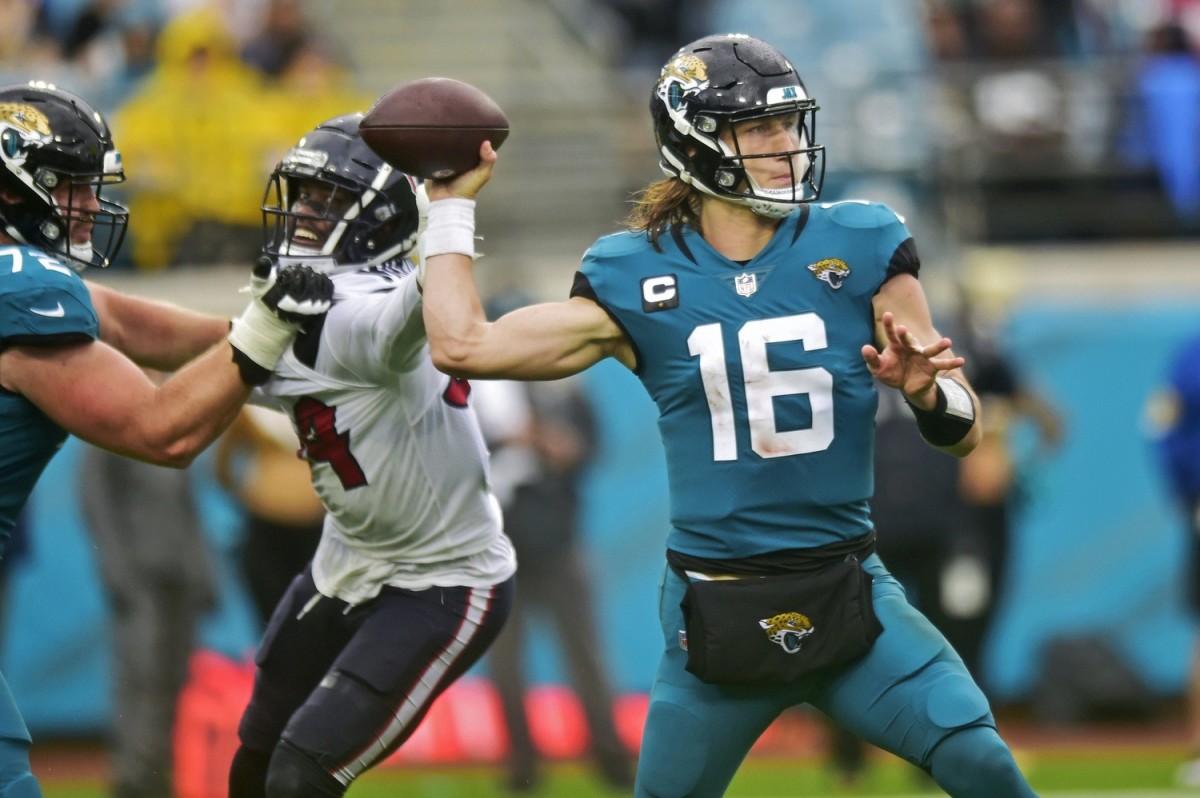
(433, 127)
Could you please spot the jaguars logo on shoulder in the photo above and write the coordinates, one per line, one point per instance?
(831, 270)
(788, 630)
(22, 126)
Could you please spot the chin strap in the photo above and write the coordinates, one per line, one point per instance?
(771, 210)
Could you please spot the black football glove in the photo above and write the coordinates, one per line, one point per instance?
(293, 295)
(299, 294)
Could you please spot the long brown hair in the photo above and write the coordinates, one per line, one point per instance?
(661, 204)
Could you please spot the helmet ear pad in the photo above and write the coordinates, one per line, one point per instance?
(364, 243)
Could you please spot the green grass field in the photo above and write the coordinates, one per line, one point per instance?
(1135, 772)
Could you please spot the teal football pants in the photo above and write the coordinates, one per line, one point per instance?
(910, 695)
(16, 776)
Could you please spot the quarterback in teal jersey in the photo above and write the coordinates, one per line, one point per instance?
(760, 321)
(71, 351)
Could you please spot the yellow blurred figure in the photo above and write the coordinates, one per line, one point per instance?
(199, 134)
(315, 86)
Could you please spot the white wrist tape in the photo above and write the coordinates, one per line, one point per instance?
(451, 228)
(958, 401)
(261, 335)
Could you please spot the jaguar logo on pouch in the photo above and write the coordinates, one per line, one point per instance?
(788, 630)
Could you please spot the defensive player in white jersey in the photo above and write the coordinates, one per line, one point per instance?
(413, 577)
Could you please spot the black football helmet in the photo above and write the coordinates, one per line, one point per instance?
(47, 137)
(715, 82)
(370, 210)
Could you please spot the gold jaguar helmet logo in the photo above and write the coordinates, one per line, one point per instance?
(831, 270)
(681, 77)
(688, 69)
(25, 118)
(788, 630)
(21, 127)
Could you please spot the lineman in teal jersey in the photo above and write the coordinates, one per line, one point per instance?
(758, 320)
(70, 350)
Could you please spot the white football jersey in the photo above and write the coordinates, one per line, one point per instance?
(397, 455)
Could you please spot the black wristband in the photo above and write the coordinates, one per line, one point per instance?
(946, 426)
(252, 374)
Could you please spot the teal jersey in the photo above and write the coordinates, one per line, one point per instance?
(42, 303)
(766, 408)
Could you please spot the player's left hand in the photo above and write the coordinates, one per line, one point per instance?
(909, 366)
(299, 294)
(259, 337)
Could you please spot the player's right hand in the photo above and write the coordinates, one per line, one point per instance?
(467, 184)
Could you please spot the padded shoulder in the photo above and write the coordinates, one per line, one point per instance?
(862, 214)
(41, 300)
(613, 247)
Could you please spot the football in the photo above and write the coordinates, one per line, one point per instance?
(433, 127)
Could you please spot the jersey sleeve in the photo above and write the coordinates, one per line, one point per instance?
(904, 260)
(46, 312)
(581, 285)
(897, 248)
(600, 264)
(594, 281)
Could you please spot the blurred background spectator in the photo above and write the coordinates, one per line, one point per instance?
(285, 31)
(257, 462)
(993, 481)
(1167, 131)
(199, 133)
(159, 581)
(202, 108)
(1174, 416)
(542, 437)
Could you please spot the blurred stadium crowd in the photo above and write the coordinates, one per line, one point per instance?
(1005, 117)
(203, 98)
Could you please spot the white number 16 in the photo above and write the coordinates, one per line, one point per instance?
(762, 385)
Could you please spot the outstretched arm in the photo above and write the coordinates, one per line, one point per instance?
(154, 334)
(96, 393)
(544, 341)
(912, 357)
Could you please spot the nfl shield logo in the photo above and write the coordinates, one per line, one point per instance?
(746, 284)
